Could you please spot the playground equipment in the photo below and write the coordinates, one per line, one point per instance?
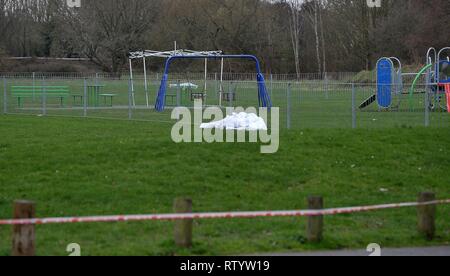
(447, 95)
(437, 71)
(164, 54)
(389, 81)
(263, 97)
(389, 84)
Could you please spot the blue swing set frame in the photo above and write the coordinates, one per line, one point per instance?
(263, 97)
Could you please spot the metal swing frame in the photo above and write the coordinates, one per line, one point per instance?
(166, 54)
(263, 97)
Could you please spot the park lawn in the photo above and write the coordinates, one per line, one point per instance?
(79, 167)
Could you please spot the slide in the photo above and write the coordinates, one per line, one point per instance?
(411, 91)
(368, 102)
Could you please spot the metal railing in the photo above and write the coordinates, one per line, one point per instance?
(332, 76)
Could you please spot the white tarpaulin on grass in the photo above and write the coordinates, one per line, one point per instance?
(238, 121)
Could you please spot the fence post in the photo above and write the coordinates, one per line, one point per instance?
(44, 97)
(216, 84)
(427, 216)
(271, 86)
(353, 106)
(5, 96)
(288, 95)
(314, 230)
(183, 228)
(427, 107)
(178, 93)
(23, 243)
(230, 94)
(130, 114)
(34, 86)
(85, 98)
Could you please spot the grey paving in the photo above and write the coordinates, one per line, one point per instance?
(426, 251)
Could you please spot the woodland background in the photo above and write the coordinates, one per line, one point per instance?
(289, 36)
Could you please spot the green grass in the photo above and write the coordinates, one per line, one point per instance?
(79, 167)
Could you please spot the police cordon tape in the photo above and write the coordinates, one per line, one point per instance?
(222, 215)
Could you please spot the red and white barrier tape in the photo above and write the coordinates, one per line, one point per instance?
(224, 215)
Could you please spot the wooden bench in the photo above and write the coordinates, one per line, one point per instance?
(23, 92)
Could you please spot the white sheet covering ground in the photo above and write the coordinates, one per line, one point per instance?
(238, 121)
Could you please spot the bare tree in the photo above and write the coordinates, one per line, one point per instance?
(288, 35)
(295, 28)
(322, 35)
(312, 13)
(106, 30)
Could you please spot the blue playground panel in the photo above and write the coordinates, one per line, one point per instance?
(443, 65)
(384, 83)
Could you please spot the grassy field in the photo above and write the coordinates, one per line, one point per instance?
(77, 167)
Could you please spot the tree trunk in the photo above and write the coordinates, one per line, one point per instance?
(295, 29)
(316, 33)
(322, 31)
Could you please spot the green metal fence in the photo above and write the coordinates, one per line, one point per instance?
(303, 104)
